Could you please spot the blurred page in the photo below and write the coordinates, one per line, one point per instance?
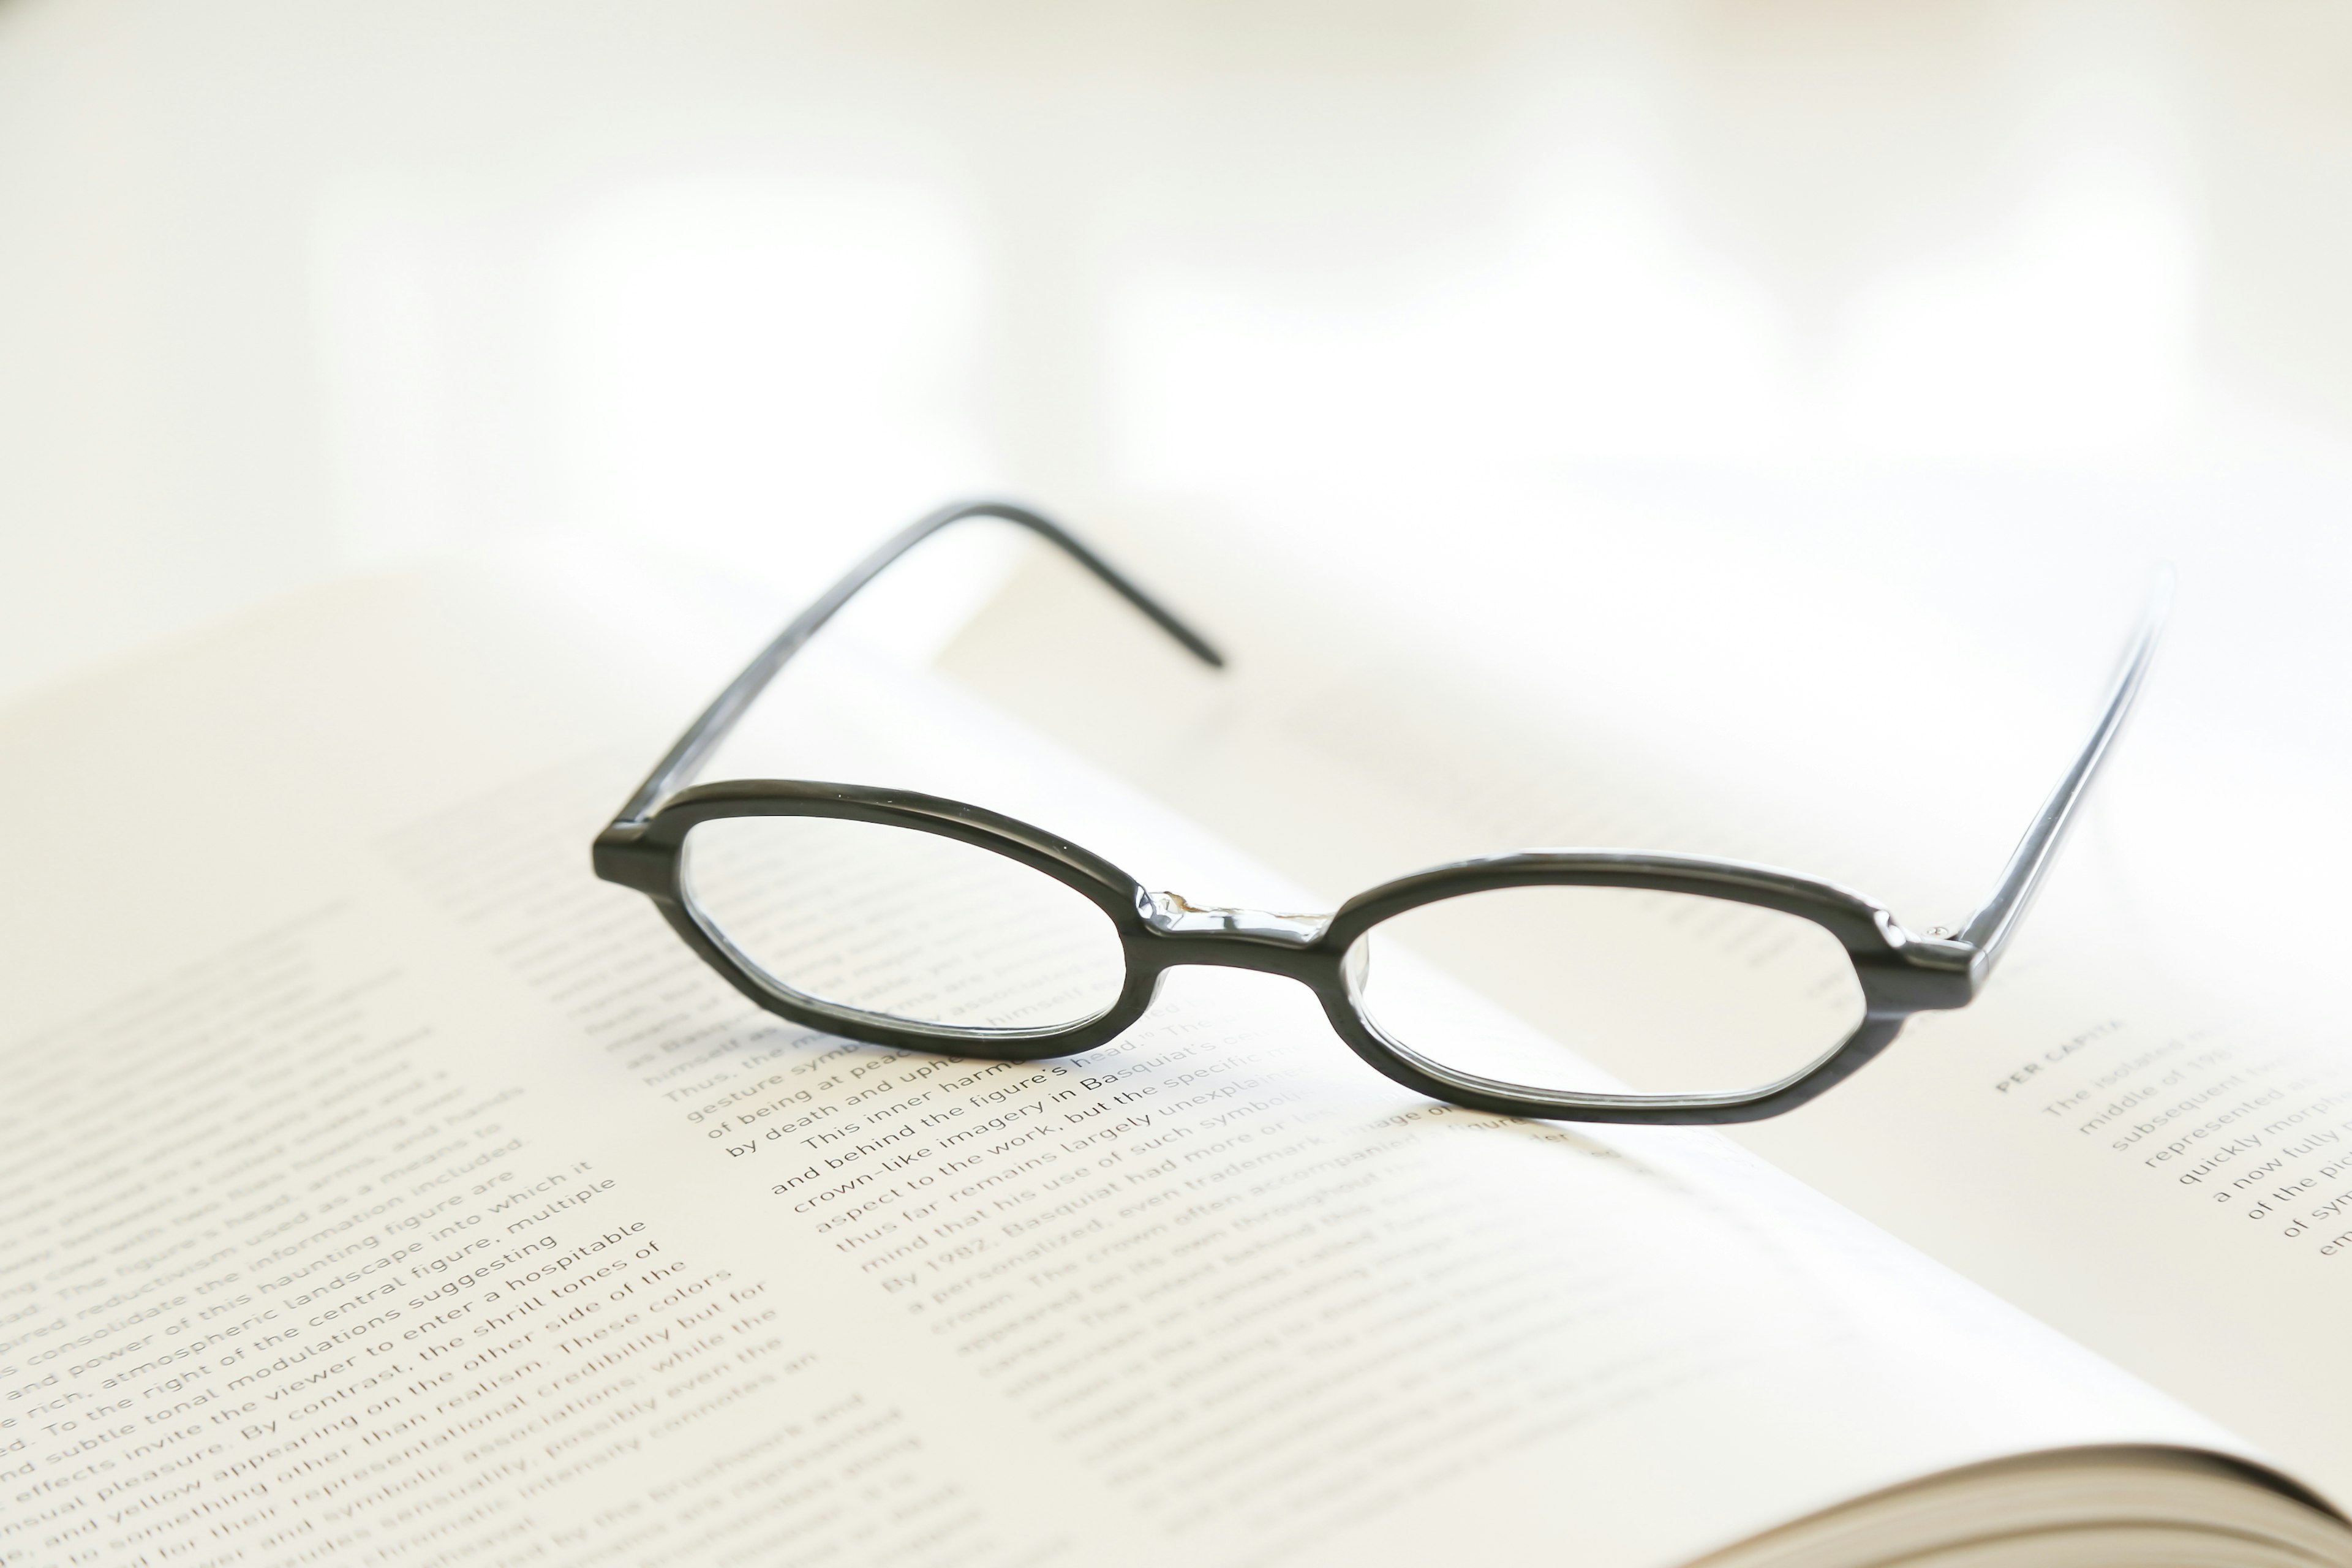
(2128, 1134)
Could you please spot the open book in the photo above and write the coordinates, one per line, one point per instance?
(379, 1187)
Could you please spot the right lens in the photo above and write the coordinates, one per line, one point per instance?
(904, 925)
(1670, 993)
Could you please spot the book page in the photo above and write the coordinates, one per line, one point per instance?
(382, 1188)
(2122, 1135)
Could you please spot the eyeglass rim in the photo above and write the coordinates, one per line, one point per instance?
(1939, 966)
(1888, 962)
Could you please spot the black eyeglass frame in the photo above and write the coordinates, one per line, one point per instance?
(1901, 973)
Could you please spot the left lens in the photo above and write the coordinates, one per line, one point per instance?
(902, 925)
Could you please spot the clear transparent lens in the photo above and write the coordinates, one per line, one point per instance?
(903, 924)
(1666, 993)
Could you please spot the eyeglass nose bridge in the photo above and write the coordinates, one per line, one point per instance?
(1215, 935)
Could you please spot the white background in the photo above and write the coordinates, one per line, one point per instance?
(1787, 339)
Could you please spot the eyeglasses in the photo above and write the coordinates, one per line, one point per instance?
(1719, 991)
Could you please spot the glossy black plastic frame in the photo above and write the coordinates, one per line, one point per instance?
(1901, 973)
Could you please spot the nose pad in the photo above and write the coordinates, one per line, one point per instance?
(1281, 1003)
(1356, 968)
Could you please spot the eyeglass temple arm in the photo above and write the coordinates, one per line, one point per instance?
(693, 748)
(1988, 929)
